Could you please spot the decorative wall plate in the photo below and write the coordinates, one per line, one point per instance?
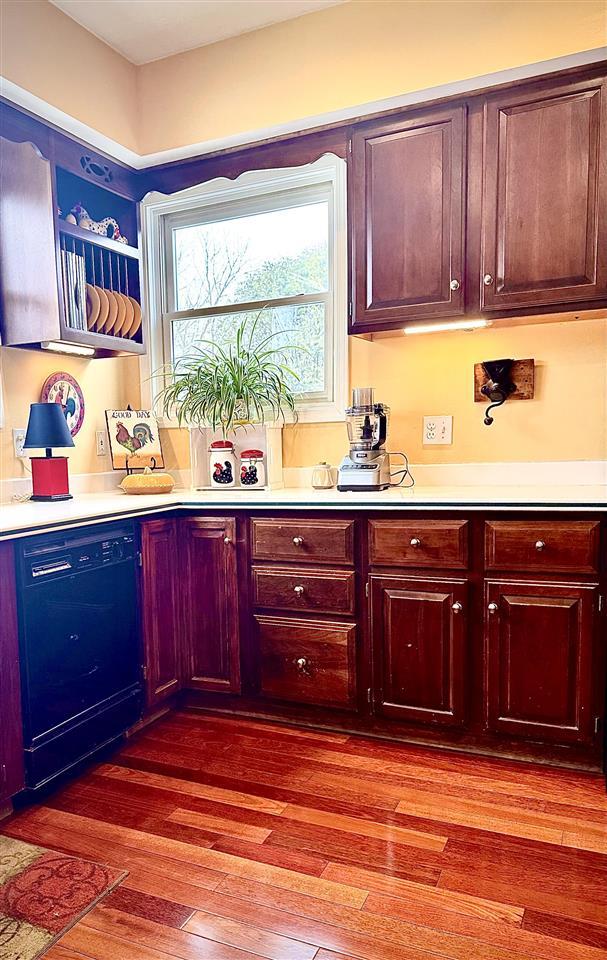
(62, 388)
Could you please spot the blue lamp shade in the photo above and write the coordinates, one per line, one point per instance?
(47, 427)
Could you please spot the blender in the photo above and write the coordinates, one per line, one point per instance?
(367, 465)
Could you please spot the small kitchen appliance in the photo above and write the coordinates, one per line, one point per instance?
(367, 465)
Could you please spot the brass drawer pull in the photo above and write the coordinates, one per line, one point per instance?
(493, 608)
(539, 545)
(299, 591)
(298, 541)
(416, 542)
(457, 607)
(304, 666)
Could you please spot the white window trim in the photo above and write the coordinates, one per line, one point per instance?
(328, 169)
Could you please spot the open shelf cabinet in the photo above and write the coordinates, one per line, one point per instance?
(61, 283)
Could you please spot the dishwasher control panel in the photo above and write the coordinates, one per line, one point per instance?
(45, 558)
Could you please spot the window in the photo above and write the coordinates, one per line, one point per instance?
(270, 246)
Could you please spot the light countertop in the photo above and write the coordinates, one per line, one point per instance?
(21, 519)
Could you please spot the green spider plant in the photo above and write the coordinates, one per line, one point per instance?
(231, 385)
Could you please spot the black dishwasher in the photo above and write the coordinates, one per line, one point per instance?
(80, 648)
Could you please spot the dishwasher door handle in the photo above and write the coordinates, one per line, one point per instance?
(46, 570)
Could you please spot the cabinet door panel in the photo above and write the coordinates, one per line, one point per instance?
(211, 604)
(161, 633)
(545, 197)
(12, 776)
(539, 660)
(419, 640)
(407, 219)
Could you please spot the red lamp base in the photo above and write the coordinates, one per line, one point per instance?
(50, 479)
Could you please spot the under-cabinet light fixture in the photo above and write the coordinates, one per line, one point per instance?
(74, 349)
(446, 326)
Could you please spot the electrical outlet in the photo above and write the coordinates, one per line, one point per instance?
(18, 441)
(101, 443)
(438, 430)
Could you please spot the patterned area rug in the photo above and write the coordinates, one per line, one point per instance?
(42, 894)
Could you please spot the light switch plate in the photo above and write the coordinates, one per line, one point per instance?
(101, 443)
(438, 430)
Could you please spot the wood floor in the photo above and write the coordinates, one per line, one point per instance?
(246, 840)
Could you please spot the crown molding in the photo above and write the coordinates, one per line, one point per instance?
(46, 111)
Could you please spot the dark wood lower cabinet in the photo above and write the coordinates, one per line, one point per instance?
(211, 603)
(418, 630)
(12, 777)
(160, 610)
(308, 661)
(539, 648)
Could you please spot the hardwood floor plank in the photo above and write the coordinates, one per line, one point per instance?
(381, 928)
(236, 934)
(221, 825)
(427, 896)
(479, 816)
(364, 828)
(529, 895)
(177, 943)
(59, 952)
(277, 856)
(589, 838)
(83, 844)
(149, 906)
(499, 935)
(101, 945)
(212, 859)
(591, 934)
(203, 791)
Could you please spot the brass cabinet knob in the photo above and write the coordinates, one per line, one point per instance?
(539, 545)
(493, 608)
(299, 591)
(227, 539)
(456, 607)
(303, 664)
(454, 285)
(298, 541)
(488, 280)
(416, 542)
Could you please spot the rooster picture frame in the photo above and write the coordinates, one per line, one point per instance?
(134, 439)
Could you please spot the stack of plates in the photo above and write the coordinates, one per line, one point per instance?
(112, 313)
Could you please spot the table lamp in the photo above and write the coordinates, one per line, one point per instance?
(47, 428)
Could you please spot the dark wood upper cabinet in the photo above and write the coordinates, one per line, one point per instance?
(539, 648)
(211, 603)
(544, 210)
(162, 636)
(418, 632)
(12, 776)
(407, 219)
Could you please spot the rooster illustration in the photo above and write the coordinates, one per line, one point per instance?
(141, 435)
(69, 406)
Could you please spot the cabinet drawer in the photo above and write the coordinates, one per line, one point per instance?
(297, 588)
(308, 661)
(326, 541)
(419, 543)
(568, 546)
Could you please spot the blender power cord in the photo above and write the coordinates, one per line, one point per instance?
(405, 471)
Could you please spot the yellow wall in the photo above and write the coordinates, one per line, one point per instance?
(349, 55)
(106, 384)
(50, 55)
(433, 375)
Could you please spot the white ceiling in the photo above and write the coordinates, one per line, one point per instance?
(144, 30)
